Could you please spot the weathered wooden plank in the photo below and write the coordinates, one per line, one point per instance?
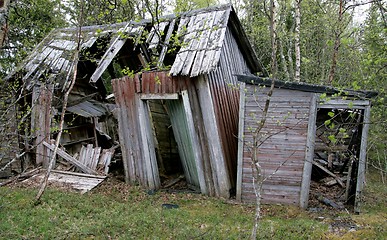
(329, 173)
(344, 103)
(95, 159)
(210, 179)
(166, 43)
(79, 174)
(195, 142)
(212, 56)
(202, 46)
(240, 142)
(109, 55)
(148, 148)
(362, 159)
(183, 53)
(70, 159)
(41, 120)
(197, 29)
(155, 34)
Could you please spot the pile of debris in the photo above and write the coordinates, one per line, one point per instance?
(81, 172)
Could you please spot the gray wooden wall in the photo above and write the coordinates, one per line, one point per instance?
(282, 142)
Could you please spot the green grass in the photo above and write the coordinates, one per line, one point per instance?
(117, 211)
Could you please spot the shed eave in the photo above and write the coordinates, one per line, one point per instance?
(306, 87)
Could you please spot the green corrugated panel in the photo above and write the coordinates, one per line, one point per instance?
(183, 139)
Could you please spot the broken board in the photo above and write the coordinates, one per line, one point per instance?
(77, 181)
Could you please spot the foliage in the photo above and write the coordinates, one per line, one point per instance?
(99, 12)
(361, 54)
(29, 23)
(374, 75)
(184, 5)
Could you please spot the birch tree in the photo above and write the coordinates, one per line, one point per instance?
(4, 10)
(258, 177)
(297, 8)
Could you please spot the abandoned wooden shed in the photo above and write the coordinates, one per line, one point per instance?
(177, 110)
(311, 132)
(187, 115)
(45, 75)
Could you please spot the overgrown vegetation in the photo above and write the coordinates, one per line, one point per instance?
(117, 211)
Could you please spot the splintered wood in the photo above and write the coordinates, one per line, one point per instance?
(93, 162)
(63, 179)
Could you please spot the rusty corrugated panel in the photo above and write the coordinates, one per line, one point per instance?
(161, 82)
(225, 96)
(282, 152)
(130, 118)
(88, 108)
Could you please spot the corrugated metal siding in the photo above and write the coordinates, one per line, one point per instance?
(212, 174)
(161, 82)
(128, 113)
(88, 109)
(282, 153)
(183, 139)
(225, 96)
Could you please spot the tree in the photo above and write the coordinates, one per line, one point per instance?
(29, 23)
(4, 9)
(374, 75)
(99, 12)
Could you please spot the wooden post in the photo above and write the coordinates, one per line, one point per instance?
(241, 127)
(148, 147)
(195, 142)
(362, 159)
(41, 120)
(309, 154)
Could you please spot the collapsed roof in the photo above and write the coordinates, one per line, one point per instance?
(189, 44)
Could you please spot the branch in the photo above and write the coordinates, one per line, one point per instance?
(44, 181)
(18, 156)
(358, 5)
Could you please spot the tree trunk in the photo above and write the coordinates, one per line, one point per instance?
(337, 45)
(73, 76)
(257, 138)
(297, 40)
(4, 10)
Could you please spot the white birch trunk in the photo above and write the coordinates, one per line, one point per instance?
(297, 40)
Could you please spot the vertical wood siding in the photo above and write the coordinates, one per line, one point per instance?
(225, 96)
(282, 151)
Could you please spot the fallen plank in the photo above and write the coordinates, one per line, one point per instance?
(329, 173)
(72, 160)
(328, 202)
(80, 183)
(79, 174)
(330, 182)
